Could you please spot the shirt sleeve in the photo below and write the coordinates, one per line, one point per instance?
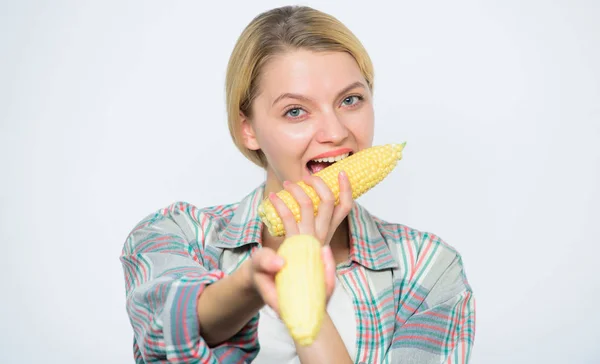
(441, 325)
(166, 270)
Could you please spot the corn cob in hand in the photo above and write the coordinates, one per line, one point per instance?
(301, 287)
(364, 169)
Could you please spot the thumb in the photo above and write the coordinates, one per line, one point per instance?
(266, 260)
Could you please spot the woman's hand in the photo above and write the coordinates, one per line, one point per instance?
(262, 267)
(329, 216)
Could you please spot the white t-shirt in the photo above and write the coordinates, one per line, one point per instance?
(276, 345)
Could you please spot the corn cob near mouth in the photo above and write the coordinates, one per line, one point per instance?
(364, 169)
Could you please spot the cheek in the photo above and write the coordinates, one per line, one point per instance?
(362, 127)
(281, 143)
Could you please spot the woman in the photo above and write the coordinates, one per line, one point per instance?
(200, 281)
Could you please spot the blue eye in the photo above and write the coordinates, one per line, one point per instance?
(351, 100)
(294, 113)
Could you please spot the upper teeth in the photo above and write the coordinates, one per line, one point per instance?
(332, 159)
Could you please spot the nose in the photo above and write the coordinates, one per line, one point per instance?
(331, 129)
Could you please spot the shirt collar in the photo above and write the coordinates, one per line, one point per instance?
(245, 226)
(367, 245)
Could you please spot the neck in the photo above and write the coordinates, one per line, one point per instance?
(339, 242)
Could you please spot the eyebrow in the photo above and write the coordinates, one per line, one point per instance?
(304, 98)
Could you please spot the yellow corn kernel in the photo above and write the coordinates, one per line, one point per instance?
(364, 169)
(300, 287)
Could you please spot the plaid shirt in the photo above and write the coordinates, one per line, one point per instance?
(412, 300)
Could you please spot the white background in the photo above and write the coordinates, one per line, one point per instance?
(105, 113)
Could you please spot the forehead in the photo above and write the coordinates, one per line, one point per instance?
(315, 74)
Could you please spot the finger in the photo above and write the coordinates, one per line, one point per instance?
(307, 209)
(266, 260)
(329, 263)
(266, 263)
(326, 206)
(267, 289)
(287, 218)
(346, 200)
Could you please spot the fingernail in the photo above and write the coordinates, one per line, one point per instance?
(286, 183)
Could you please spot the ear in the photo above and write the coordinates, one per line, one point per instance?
(248, 133)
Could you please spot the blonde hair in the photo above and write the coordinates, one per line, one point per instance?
(274, 32)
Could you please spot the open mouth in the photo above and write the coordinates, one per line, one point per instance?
(316, 165)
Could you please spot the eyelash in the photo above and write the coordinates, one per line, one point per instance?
(360, 98)
(292, 107)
